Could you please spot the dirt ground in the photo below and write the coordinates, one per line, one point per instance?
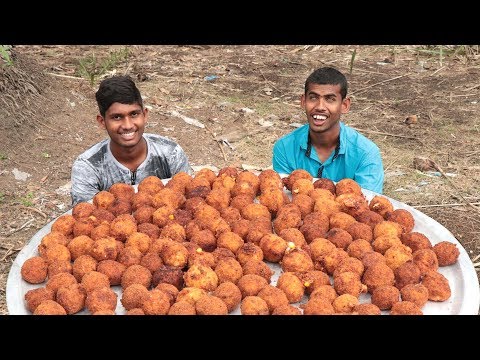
(247, 96)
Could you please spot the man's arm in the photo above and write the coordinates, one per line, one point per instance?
(370, 174)
(178, 161)
(280, 160)
(85, 183)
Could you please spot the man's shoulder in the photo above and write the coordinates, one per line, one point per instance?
(360, 141)
(294, 135)
(159, 140)
(100, 147)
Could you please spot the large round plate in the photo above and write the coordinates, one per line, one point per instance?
(461, 276)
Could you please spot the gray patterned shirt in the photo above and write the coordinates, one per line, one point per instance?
(97, 169)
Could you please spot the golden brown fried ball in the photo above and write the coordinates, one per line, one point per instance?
(162, 216)
(348, 283)
(406, 274)
(83, 227)
(190, 295)
(313, 280)
(321, 247)
(273, 200)
(182, 308)
(331, 260)
(231, 215)
(339, 237)
(64, 224)
(49, 307)
(344, 304)
(179, 182)
(381, 205)
(242, 200)
(58, 267)
(305, 203)
(358, 248)
(325, 292)
(416, 241)
(250, 178)
(243, 188)
(254, 210)
(170, 290)
(318, 306)
(416, 293)
(151, 261)
(219, 198)
(296, 260)
(293, 235)
(168, 197)
(403, 217)
(341, 220)
(371, 258)
(377, 275)
(94, 280)
(405, 308)
(315, 225)
(55, 252)
(249, 251)
(360, 231)
(136, 274)
(144, 214)
(201, 257)
(426, 260)
(34, 270)
(202, 277)
(133, 296)
(72, 298)
(174, 254)
(157, 302)
(102, 216)
(129, 256)
(104, 249)
(182, 217)
(296, 175)
(287, 310)
(447, 253)
(157, 245)
(82, 210)
(141, 199)
(387, 228)
(34, 297)
(80, 245)
(350, 264)
(254, 305)
(198, 191)
(60, 280)
(273, 247)
(103, 199)
(122, 191)
(101, 231)
(321, 194)
(347, 186)
(366, 309)
(204, 214)
(269, 179)
(371, 218)
(220, 253)
(123, 226)
(437, 285)
(258, 228)
(82, 265)
(327, 207)
(207, 173)
(292, 286)
(139, 241)
(382, 243)
(251, 284)
(258, 268)
(113, 270)
(230, 240)
(226, 182)
(196, 183)
(241, 228)
(135, 311)
(230, 294)
(385, 296)
(101, 299)
(228, 269)
(150, 185)
(302, 186)
(53, 237)
(289, 216)
(398, 255)
(120, 207)
(150, 229)
(274, 297)
(326, 184)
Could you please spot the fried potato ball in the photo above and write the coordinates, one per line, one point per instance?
(296, 260)
(358, 248)
(136, 274)
(122, 191)
(182, 308)
(230, 240)
(102, 216)
(426, 260)
(60, 280)
(83, 227)
(274, 297)
(219, 198)
(447, 253)
(324, 183)
(385, 296)
(387, 228)
(64, 224)
(151, 261)
(157, 302)
(141, 199)
(34, 270)
(348, 283)
(198, 191)
(139, 241)
(151, 185)
(120, 207)
(405, 308)
(273, 200)
(249, 251)
(198, 256)
(94, 280)
(179, 182)
(416, 293)
(350, 264)
(288, 217)
(205, 239)
(169, 198)
(345, 186)
(34, 297)
(104, 249)
(80, 245)
(359, 230)
(381, 205)
(287, 310)
(331, 260)
(406, 274)
(254, 210)
(58, 267)
(341, 220)
(123, 226)
(318, 306)
(293, 235)
(174, 254)
(144, 214)
(344, 304)
(327, 207)
(72, 298)
(258, 268)
(113, 270)
(315, 225)
(201, 277)
(82, 265)
(251, 284)
(305, 203)
(82, 210)
(296, 175)
(313, 279)
(325, 292)
(55, 252)
(403, 217)
(134, 296)
(366, 309)
(371, 258)
(103, 199)
(170, 290)
(243, 188)
(273, 247)
(229, 293)
(321, 247)
(162, 215)
(371, 218)
(182, 216)
(129, 256)
(437, 285)
(228, 269)
(240, 201)
(258, 228)
(398, 255)
(101, 231)
(231, 215)
(53, 237)
(382, 243)
(292, 286)
(254, 305)
(150, 229)
(302, 186)
(241, 228)
(49, 307)
(101, 299)
(377, 275)
(170, 275)
(416, 241)
(339, 237)
(270, 179)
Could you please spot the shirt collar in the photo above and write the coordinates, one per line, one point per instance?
(340, 149)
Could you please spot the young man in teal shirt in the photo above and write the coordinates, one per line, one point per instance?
(326, 147)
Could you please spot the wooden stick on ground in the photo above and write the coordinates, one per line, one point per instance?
(378, 83)
(443, 205)
(384, 133)
(35, 210)
(218, 142)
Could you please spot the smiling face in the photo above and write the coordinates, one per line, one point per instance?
(125, 124)
(323, 105)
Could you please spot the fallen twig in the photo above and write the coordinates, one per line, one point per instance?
(9, 252)
(218, 142)
(67, 76)
(20, 228)
(443, 205)
(35, 210)
(378, 83)
(384, 133)
(476, 258)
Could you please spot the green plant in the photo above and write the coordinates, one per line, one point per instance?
(3, 156)
(352, 60)
(46, 155)
(5, 55)
(91, 68)
(27, 200)
(2, 197)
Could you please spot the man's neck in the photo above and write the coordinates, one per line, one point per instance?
(130, 157)
(324, 143)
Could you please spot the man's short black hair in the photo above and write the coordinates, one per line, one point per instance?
(328, 76)
(119, 89)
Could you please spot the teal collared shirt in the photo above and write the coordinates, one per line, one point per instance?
(358, 158)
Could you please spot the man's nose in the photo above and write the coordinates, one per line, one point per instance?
(127, 122)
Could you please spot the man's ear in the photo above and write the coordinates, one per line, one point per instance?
(145, 114)
(346, 105)
(302, 101)
(101, 121)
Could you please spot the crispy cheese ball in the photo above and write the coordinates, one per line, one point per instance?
(144, 214)
(228, 269)
(331, 260)
(205, 239)
(49, 307)
(113, 270)
(231, 215)
(122, 191)
(170, 290)
(287, 310)
(104, 249)
(157, 302)
(358, 248)
(403, 217)
(249, 251)
(416, 293)
(151, 261)
(150, 185)
(242, 200)
(296, 260)
(273, 247)
(136, 274)
(182, 216)
(120, 207)
(387, 228)
(230, 240)
(101, 231)
(270, 179)
(53, 237)
(134, 296)
(34, 297)
(219, 198)
(254, 305)
(80, 245)
(190, 295)
(170, 275)
(139, 241)
(168, 197)
(348, 283)
(371, 258)
(82, 210)
(251, 178)
(305, 203)
(198, 256)
(94, 280)
(341, 220)
(254, 210)
(64, 224)
(366, 309)
(274, 297)
(258, 268)
(313, 279)
(315, 225)
(101, 216)
(103, 199)
(302, 186)
(406, 274)
(179, 182)
(382, 243)
(161, 216)
(72, 298)
(182, 308)
(82, 265)
(292, 286)
(447, 253)
(174, 254)
(150, 229)
(55, 252)
(345, 186)
(426, 260)
(123, 226)
(398, 255)
(60, 280)
(83, 226)
(437, 285)
(288, 217)
(326, 184)
(327, 207)
(101, 299)
(34, 270)
(339, 237)
(258, 228)
(201, 277)
(251, 284)
(230, 294)
(416, 241)
(377, 275)
(295, 236)
(273, 200)
(241, 228)
(296, 175)
(359, 230)
(371, 218)
(405, 308)
(344, 304)
(58, 267)
(350, 264)
(381, 205)
(318, 306)
(141, 199)
(129, 256)
(325, 292)
(385, 296)
(321, 247)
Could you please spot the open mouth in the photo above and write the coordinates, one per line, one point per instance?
(128, 135)
(319, 120)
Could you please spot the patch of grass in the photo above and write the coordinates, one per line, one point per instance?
(27, 200)
(264, 108)
(46, 155)
(91, 67)
(5, 55)
(3, 156)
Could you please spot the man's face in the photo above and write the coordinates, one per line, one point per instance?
(125, 123)
(323, 106)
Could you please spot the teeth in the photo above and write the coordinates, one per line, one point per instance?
(319, 117)
(130, 134)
